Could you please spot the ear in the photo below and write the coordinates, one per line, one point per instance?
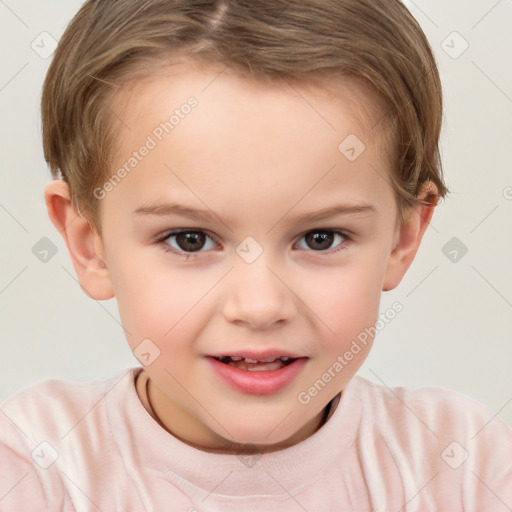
(409, 235)
(83, 242)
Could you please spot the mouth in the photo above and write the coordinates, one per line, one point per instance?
(256, 365)
(258, 373)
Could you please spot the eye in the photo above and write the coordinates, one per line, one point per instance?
(188, 241)
(322, 240)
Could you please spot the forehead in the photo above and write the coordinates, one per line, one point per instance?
(331, 103)
(282, 139)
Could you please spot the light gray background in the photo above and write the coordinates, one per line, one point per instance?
(456, 327)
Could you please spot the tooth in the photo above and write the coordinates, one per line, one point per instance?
(236, 358)
(268, 366)
(251, 360)
(276, 365)
(268, 360)
(284, 358)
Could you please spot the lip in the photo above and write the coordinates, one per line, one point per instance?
(264, 382)
(257, 354)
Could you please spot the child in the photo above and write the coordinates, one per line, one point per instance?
(245, 177)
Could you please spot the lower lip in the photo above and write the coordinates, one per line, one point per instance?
(263, 382)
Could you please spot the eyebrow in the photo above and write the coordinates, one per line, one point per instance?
(167, 209)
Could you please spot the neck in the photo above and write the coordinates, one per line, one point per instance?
(144, 389)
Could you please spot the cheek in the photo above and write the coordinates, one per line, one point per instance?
(159, 302)
(345, 300)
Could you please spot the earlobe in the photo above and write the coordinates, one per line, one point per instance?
(82, 240)
(409, 236)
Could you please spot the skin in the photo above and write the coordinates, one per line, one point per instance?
(259, 156)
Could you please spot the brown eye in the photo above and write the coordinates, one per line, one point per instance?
(321, 240)
(189, 241)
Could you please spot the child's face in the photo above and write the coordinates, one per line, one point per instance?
(265, 160)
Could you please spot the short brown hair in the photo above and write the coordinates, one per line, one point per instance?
(109, 44)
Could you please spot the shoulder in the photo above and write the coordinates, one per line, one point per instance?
(51, 429)
(432, 402)
(438, 410)
(53, 404)
(439, 434)
(51, 409)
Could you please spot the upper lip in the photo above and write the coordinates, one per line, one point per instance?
(256, 354)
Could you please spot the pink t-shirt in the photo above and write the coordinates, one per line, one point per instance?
(93, 446)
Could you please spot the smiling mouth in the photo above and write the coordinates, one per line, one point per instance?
(255, 365)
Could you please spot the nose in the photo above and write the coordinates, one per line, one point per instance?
(257, 296)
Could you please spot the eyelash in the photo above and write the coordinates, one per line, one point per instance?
(162, 241)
